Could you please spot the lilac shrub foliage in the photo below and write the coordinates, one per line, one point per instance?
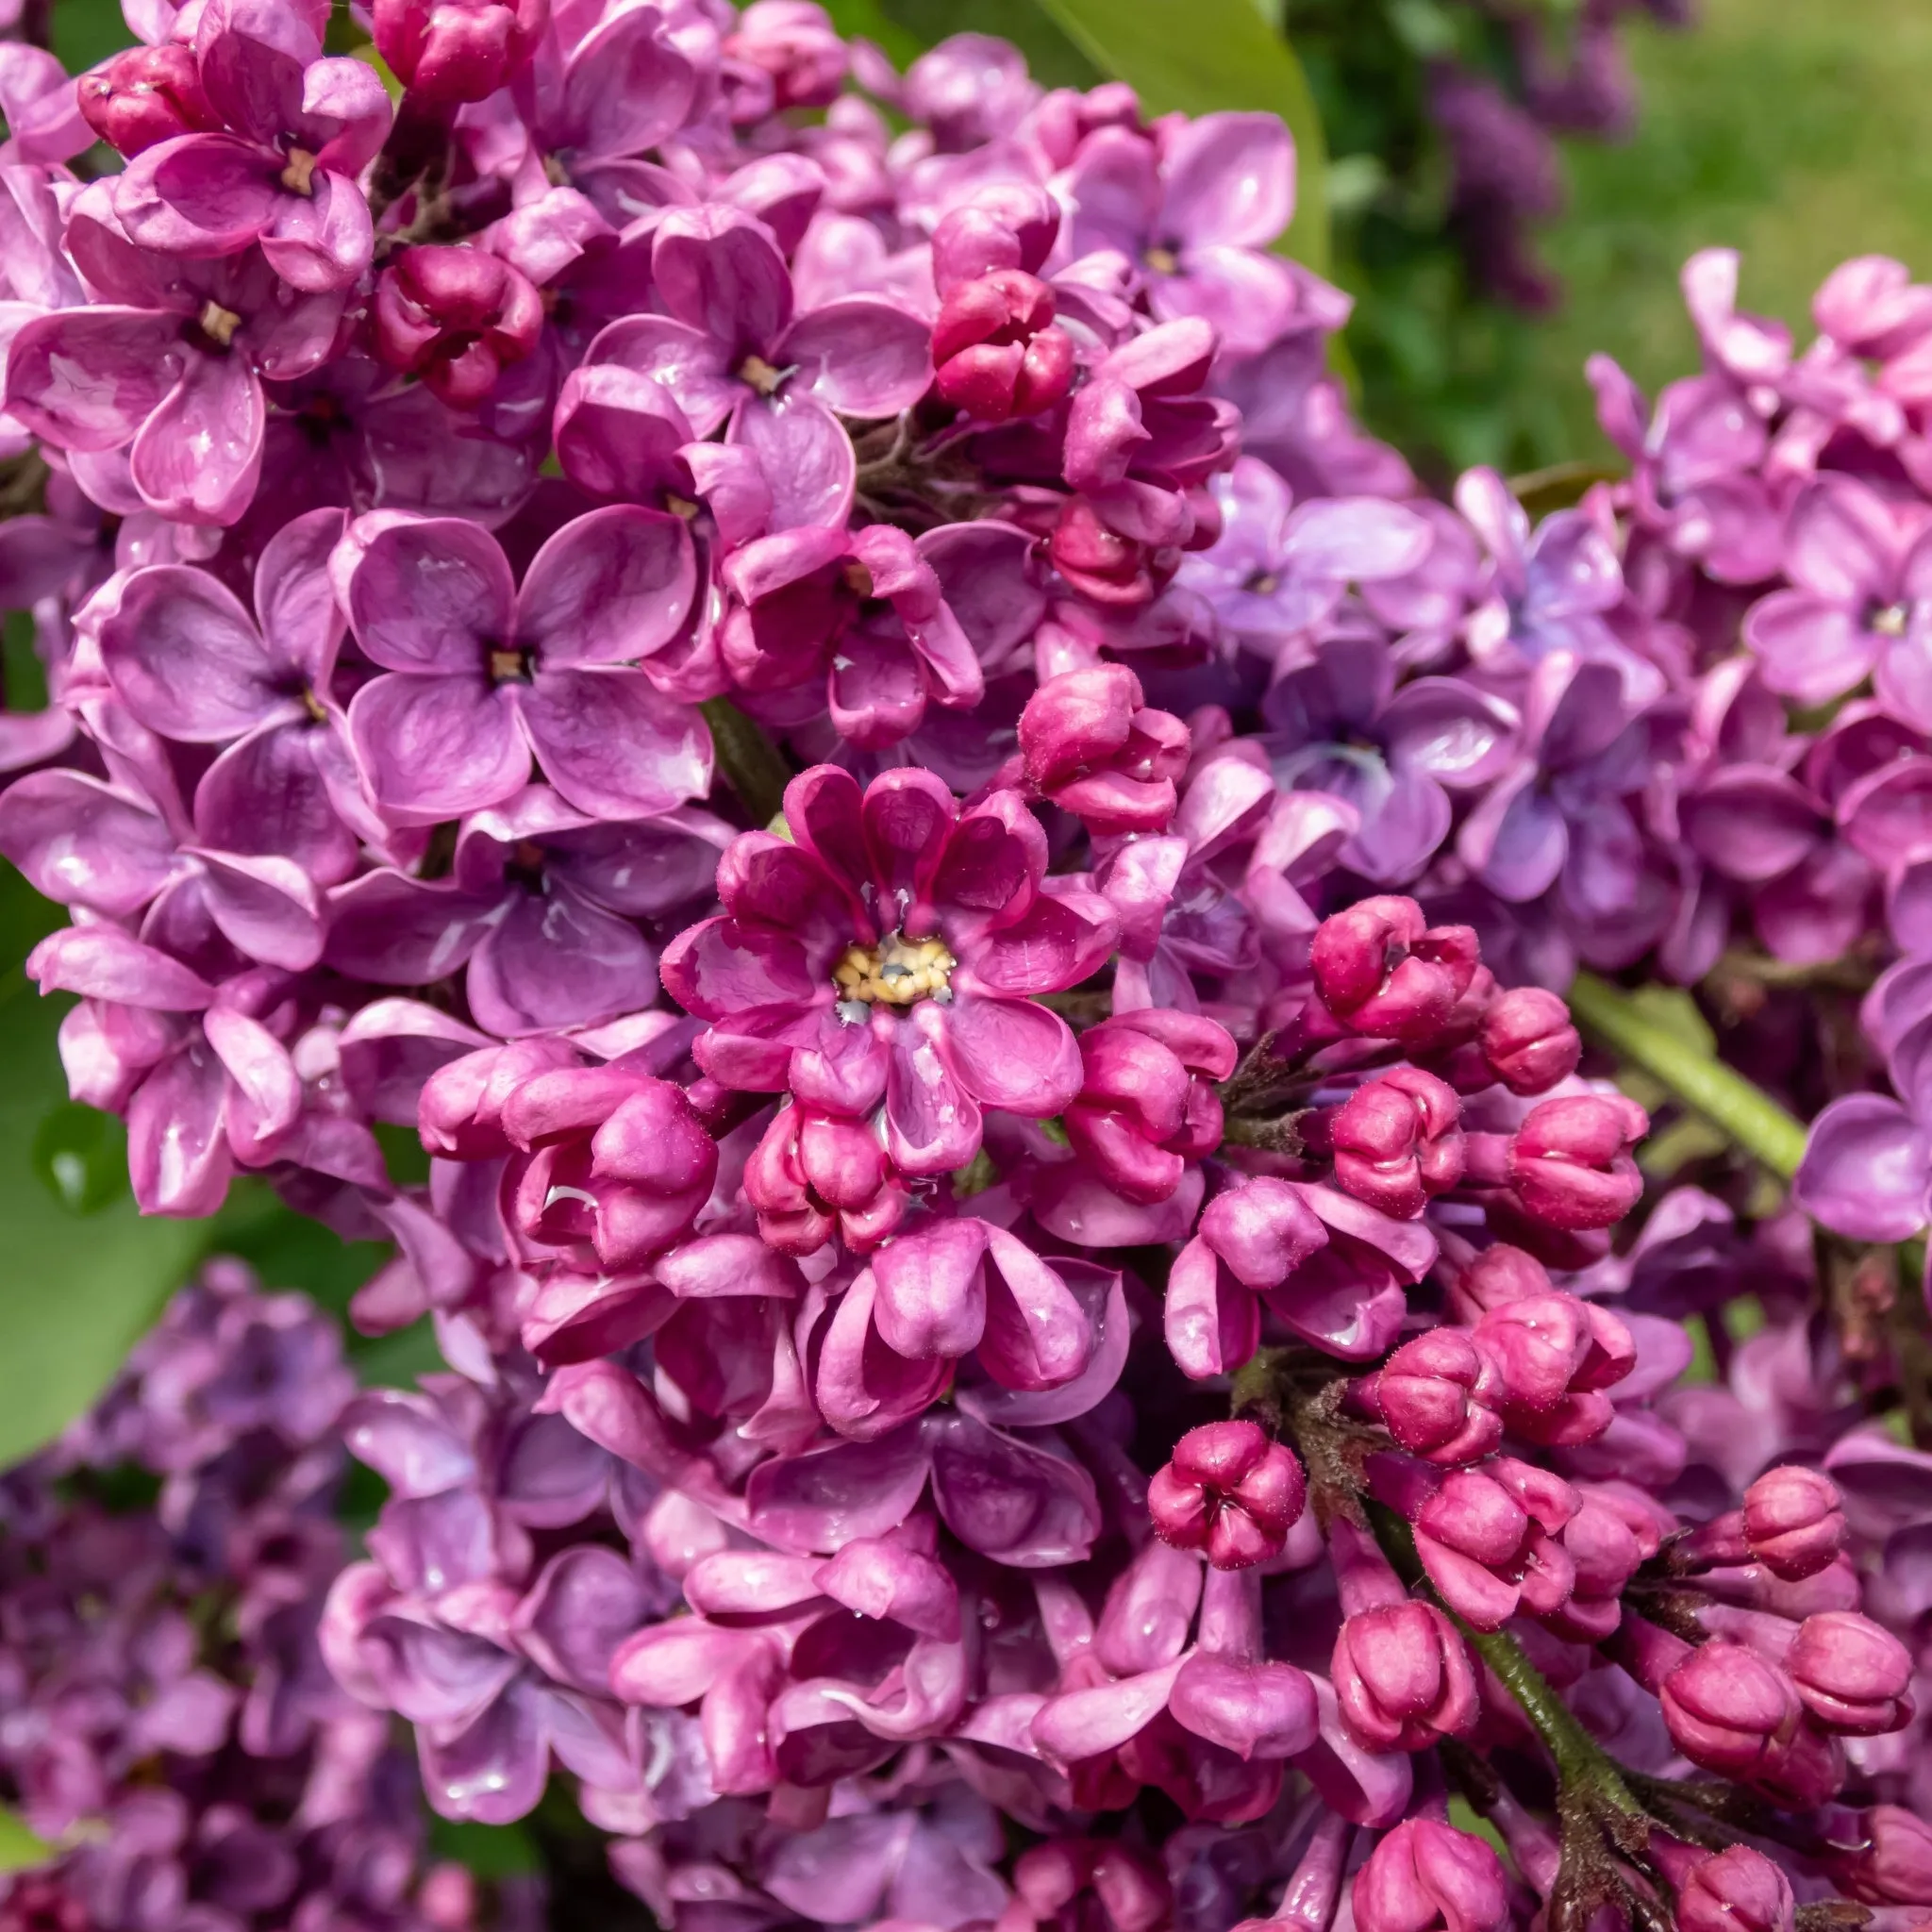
(801, 670)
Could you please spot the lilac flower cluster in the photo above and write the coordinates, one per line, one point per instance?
(167, 1724)
(800, 669)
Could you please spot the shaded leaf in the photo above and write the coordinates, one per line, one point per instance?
(86, 1274)
(20, 1850)
(1198, 56)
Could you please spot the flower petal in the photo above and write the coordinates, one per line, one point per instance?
(434, 748)
(610, 587)
(1865, 1170)
(613, 744)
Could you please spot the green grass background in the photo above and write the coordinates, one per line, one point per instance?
(1792, 130)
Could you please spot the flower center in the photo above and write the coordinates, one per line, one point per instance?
(218, 323)
(299, 175)
(1163, 262)
(761, 374)
(1891, 620)
(897, 972)
(1262, 583)
(508, 665)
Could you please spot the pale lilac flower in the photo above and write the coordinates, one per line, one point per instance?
(480, 675)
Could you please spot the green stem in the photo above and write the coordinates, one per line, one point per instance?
(1581, 1763)
(1750, 1116)
(748, 761)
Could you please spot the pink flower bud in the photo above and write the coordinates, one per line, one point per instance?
(1007, 224)
(1382, 970)
(1230, 1491)
(1736, 1890)
(1495, 1277)
(1099, 562)
(1263, 1230)
(1438, 1395)
(1090, 746)
(1424, 1876)
(447, 52)
(1473, 1515)
(457, 317)
(1793, 1522)
(795, 43)
(459, 1113)
(1528, 1040)
(1553, 1352)
(774, 1184)
(995, 350)
(1570, 1160)
(1890, 1860)
(1398, 1142)
(1403, 1679)
(145, 95)
(1263, 1711)
(1134, 1100)
(1852, 1673)
(1728, 1710)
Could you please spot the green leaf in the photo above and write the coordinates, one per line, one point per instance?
(1662, 1032)
(1197, 57)
(87, 31)
(85, 1274)
(868, 20)
(20, 1850)
(490, 1851)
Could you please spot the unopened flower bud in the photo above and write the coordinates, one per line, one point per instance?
(1738, 1890)
(1498, 1276)
(145, 95)
(1144, 1113)
(1005, 226)
(1728, 1709)
(459, 1113)
(447, 52)
(1256, 1710)
(1230, 1491)
(457, 317)
(1889, 1861)
(1263, 1230)
(1099, 562)
(1794, 1521)
(1424, 1876)
(1528, 1040)
(1398, 1141)
(1403, 1679)
(995, 350)
(1439, 1396)
(796, 43)
(1571, 1164)
(1852, 1673)
(1554, 1354)
(1382, 970)
(1090, 745)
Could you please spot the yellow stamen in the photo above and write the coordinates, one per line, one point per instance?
(299, 175)
(898, 973)
(761, 374)
(218, 323)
